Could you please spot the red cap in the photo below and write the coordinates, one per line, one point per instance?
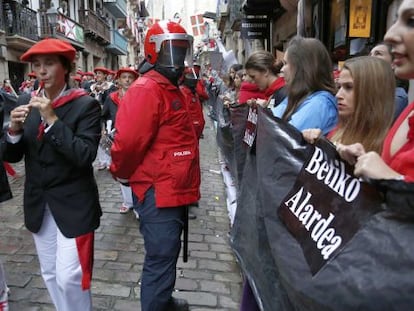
(80, 72)
(126, 69)
(103, 69)
(32, 75)
(77, 78)
(89, 73)
(50, 46)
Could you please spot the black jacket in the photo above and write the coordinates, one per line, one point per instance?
(59, 168)
(5, 192)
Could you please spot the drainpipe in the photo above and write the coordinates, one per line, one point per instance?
(301, 25)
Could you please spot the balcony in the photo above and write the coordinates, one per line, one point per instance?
(20, 25)
(119, 44)
(95, 27)
(66, 28)
(118, 8)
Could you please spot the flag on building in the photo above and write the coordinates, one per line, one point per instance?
(70, 29)
(197, 24)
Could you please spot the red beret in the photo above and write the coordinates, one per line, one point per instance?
(31, 74)
(126, 69)
(89, 73)
(77, 78)
(103, 69)
(50, 46)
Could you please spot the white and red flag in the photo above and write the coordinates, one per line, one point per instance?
(197, 24)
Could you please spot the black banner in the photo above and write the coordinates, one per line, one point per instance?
(255, 28)
(371, 267)
(326, 206)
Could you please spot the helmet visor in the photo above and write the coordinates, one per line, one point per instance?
(175, 53)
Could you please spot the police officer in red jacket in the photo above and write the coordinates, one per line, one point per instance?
(156, 150)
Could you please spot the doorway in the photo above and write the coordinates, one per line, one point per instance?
(16, 74)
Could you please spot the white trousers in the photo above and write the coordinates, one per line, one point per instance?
(60, 267)
(4, 305)
(127, 196)
(103, 158)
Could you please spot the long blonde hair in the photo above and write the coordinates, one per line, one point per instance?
(374, 100)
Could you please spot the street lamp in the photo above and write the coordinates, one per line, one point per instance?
(52, 16)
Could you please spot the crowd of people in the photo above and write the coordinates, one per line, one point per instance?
(362, 107)
(124, 121)
(63, 125)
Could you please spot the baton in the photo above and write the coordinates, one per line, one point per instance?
(185, 235)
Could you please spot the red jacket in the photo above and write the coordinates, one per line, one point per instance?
(155, 143)
(194, 108)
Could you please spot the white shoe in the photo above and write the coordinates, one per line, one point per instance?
(136, 213)
(4, 303)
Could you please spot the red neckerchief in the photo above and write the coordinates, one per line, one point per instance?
(277, 84)
(115, 98)
(63, 99)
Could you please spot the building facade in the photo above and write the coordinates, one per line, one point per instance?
(347, 27)
(111, 33)
(94, 27)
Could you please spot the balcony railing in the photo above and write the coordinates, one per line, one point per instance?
(66, 27)
(95, 26)
(19, 20)
(119, 44)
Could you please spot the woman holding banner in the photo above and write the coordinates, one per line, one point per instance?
(310, 86)
(263, 69)
(309, 103)
(365, 100)
(397, 160)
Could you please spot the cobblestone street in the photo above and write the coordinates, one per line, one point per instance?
(210, 280)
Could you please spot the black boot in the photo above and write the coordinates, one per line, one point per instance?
(177, 304)
(191, 215)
